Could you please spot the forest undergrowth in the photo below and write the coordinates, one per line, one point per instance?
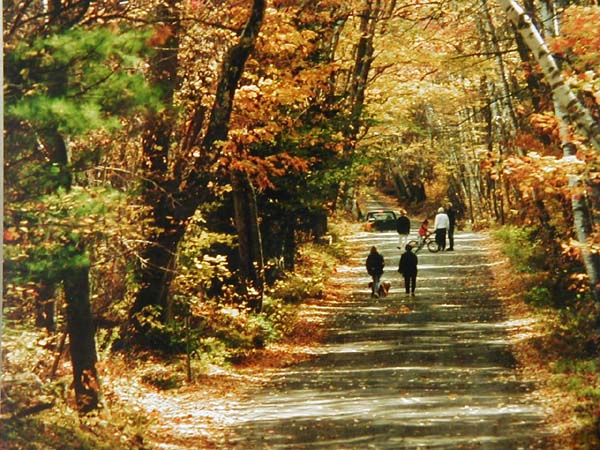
(151, 399)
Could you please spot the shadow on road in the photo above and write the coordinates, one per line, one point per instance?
(431, 371)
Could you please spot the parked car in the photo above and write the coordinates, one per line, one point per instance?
(381, 220)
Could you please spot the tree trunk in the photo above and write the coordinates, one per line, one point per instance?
(583, 229)
(289, 245)
(155, 274)
(569, 110)
(249, 238)
(231, 71)
(80, 327)
(510, 124)
(177, 202)
(582, 222)
(362, 63)
(75, 280)
(45, 306)
(363, 60)
(157, 271)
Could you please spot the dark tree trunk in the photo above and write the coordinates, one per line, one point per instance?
(75, 280)
(362, 62)
(318, 223)
(231, 71)
(155, 274)
(249, 237)
(60, 17)
(80, 327)
(289, 246)
(45, 306)
(419, 193)
(158, 272)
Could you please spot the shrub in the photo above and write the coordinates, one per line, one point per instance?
(539, 296)
(524, 250)
(163, 379)
(295, 288)
(547, 270)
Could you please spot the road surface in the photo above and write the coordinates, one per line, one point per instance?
(434, 371)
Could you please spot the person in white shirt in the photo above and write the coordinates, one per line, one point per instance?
(441, 225)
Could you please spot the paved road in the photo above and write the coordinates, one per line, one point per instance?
(432, 371)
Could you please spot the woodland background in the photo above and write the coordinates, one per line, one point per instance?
(172, 169)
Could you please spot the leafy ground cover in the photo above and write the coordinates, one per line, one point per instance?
(552, 348)
(153, 400)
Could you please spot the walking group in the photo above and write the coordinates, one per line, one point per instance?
(444, 224)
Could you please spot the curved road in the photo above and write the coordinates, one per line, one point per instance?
(432, 371)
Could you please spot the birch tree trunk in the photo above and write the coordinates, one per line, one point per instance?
(581, 204)
(582, 217)
(575, 112)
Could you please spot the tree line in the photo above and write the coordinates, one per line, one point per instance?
(495, 108)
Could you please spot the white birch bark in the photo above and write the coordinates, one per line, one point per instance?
(576, 113)
(580, 203)
(549, 17)
(581, 212)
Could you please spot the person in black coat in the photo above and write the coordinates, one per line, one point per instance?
(375, 263)
(451, 213)
(403, 228)
(408, 269)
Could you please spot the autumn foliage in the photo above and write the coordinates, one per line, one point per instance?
(167, 162)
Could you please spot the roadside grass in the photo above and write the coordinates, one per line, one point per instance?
(567, 343)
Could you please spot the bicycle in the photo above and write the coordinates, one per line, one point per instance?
(428, 241)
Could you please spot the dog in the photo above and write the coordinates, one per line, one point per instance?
(384, 288)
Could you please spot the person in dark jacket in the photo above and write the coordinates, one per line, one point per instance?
(375, 263)
(403, 228)
(451, 213)
(408, 269)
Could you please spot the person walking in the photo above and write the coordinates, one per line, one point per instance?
(451, 213)
(375, 264)
(441, 225)
(403, 228)
(408, 268)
